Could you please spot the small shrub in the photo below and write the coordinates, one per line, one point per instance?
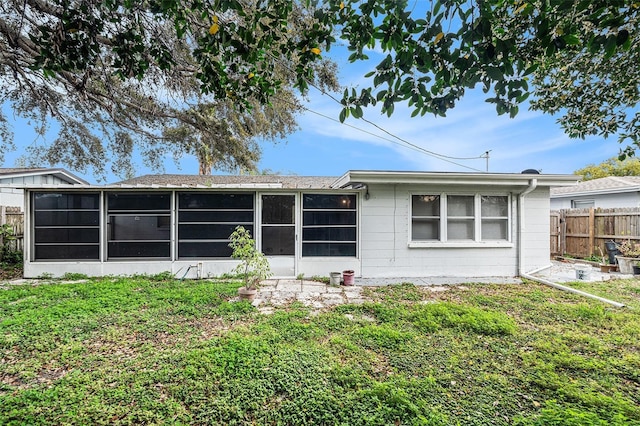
(439, 315)
(376, 336)
(254, 266)
(320, 279)
(162, 276)
(74, 276)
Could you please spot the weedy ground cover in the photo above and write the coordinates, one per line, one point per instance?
(158, 350)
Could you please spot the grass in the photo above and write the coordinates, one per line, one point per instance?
(156, 350)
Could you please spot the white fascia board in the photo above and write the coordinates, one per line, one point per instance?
(470, 179)
(32, 186)
(36, 186)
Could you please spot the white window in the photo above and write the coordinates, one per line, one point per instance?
(459, 219)
(582, 204)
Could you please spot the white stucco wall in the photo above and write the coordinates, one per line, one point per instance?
(385, 228)
(12, 197)
(604, 201)
(536, 245)
(383, 246)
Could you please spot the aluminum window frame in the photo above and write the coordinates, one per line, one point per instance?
(477, 241)
(355, 226)
(35, 226)
(225, 241)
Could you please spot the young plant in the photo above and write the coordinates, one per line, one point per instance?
(254, 266)
(6, 236)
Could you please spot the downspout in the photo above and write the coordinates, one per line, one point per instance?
(533, 183)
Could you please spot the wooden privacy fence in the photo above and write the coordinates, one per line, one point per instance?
(583, 232)
(14, 217)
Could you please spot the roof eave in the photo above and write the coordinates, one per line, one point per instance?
(61, 174)
(473, 179)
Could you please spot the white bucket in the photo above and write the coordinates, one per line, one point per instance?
(583, 272)
(334, 278)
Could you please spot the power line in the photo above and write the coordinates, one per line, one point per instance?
(408, 144)
(404, 144)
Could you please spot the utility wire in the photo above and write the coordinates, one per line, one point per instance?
(404, 143)
(409, 144)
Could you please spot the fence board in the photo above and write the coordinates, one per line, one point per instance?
(584, 232)
(14, 217)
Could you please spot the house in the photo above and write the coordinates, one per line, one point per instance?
(376, 223)
(12, 180)
(608, 192)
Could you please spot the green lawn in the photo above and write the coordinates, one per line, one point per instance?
(153, 351)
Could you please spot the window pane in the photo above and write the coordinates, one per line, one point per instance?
(278, 209)
(323, 218)
(66, 218)
(494, 206)
(494, 229)
(66, 235)
(67, 252)
(69, 201)
(460, 205)
(139, 249)
(329, 218)
(460, 230)
(139, 202)
(216, 216)
(425, 229)
(326, 201)
(329, 249)
(139, 227)
(187, 200)
(278, 240)
(208, 232)
(582, 204)
(329, 234)
(204, 249)
(425, 205)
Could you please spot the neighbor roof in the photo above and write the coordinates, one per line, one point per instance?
(234, 181)
(606, 185)
(37, 171)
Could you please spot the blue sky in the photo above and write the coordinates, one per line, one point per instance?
(324, 147)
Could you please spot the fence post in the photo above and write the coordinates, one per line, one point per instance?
(3, 220)
(563, 232)
(592, 231)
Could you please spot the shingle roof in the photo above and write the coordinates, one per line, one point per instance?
(16, 170)
(602, 185)
(199, 181)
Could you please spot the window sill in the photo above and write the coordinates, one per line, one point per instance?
(460, 244)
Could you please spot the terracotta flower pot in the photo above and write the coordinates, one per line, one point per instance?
(247, 293)
(605, 268)
(348, 277)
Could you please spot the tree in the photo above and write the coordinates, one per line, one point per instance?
(122, 79)
(611, 167)
(231, 48)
